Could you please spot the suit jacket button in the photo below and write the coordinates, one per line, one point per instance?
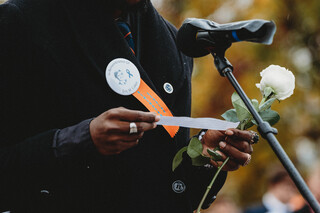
(44, 192)
(178, 186)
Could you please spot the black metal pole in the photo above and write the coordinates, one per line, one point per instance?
(264, 128)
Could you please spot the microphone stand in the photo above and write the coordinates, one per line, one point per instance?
(225, 69)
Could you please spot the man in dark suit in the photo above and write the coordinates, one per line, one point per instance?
(69, 143)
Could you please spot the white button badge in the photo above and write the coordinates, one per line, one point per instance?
(168, 88)
(122, 76)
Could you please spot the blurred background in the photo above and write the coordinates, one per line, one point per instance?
(296, 46)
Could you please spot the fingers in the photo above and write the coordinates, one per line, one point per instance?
(111, 132)
(243, 146)
(235, 154)
(236, 159)
(124, 127)
(212, 137)
(133, 115)
(239, 134)
(233, 143)
(126, 137)
(242, 140)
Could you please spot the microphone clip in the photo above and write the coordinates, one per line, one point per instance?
(212, 45)
(222, 64)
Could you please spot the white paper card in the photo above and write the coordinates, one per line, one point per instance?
(197, 123)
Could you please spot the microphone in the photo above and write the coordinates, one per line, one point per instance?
(199, 37)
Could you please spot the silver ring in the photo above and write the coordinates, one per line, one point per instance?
(247, 161)
(133, 128)
(254, 137)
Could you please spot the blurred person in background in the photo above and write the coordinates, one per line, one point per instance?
(281, 190)
(298, 203)
(224, 204)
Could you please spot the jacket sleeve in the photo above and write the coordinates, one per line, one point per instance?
(26, 162)
(20, 161)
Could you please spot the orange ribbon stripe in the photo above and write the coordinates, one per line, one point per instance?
(154, 104)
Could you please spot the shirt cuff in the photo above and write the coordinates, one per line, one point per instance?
(201, 134)
(72, 140)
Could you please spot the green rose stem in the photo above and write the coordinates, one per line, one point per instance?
(213, 180)
(210, 185)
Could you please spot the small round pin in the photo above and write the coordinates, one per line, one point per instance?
(168, 88)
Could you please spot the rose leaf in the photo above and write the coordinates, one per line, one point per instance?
(248, 124)
(178, 158)
(255, 104)
(267, 92)
(230, 115)
(214, 155)
(201, 160)
(241, 109)
(267, 104)
(272, 117)
(194, 148)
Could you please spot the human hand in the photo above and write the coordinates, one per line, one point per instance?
(110, 131)
(233, 143)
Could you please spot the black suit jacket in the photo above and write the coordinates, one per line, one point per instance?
(52, 61)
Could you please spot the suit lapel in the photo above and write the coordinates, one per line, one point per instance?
(97, 41)
(98, 36)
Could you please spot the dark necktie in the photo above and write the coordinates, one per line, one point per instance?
(126, 32)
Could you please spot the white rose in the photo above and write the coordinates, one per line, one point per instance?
(280, 79)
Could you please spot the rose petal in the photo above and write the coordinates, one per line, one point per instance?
(281, 80)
